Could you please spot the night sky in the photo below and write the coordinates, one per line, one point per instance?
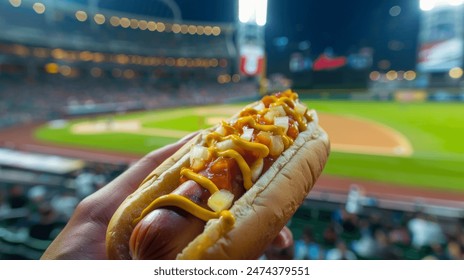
(344, 26)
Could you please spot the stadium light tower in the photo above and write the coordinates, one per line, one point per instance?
(252, 11)
(441, 37)
(252, 16)
(428, 5)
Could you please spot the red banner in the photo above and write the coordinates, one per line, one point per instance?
(251, 60)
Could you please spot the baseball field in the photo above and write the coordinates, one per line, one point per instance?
(418, 144)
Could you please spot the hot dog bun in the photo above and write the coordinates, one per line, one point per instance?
(259, 214)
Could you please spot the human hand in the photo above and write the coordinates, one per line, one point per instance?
(84, 235)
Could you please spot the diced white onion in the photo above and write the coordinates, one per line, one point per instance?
(198, 156)
(277, 145)
(260, 106)
(264, 137)
(220, 200)
(270, 115)
(221, 130)
(279, 110)
(247, 134)
(300, 108)
(256, 169)
(199, 152)
(276, 111)
(225, 145)
(197, 164)
(281, 122)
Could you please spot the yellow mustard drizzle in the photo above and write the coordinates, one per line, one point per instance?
(261, 149)
(267, 127)
(287, 101)
(186, 204)
(202, 180)
(244, 168)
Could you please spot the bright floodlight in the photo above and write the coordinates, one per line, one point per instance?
(427, 5)
(456, 2)
(252, 11)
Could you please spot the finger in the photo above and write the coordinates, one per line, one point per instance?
(116, 191)
(127, 182)
(284, 239)
(156, 157)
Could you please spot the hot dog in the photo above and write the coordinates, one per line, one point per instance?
(229, 191)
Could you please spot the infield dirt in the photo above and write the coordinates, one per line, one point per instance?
(347, 134)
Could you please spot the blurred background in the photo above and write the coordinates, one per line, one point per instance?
(385, 77)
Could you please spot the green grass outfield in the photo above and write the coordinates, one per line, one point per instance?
(435, 130)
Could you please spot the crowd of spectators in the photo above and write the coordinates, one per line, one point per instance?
(375, 234)
(39, 212)
(23, 100)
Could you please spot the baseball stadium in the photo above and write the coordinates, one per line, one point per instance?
(89, 87)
